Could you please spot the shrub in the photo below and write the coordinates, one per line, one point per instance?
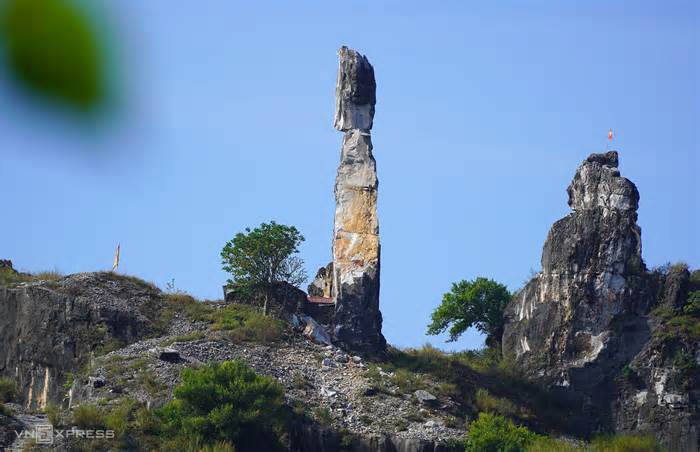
(226, 402)
(117, 418)
(627, 372)
(8, 390)
(89, 417)
(625, 443)
(493, 433)
(5, 410)
(322, 415)
(692, 306)
(407, 381)
(54, 414)
(484, 401)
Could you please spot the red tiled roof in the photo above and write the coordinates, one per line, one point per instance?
(319, 300)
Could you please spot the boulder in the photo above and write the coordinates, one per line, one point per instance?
(425, 398)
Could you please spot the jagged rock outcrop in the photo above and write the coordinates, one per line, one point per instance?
(322, 285)
(355, 286)
(585, 316)
(50, 328)
(561, 319)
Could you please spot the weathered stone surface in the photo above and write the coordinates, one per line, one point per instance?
(588, 262)
(586, 316)
(355, 284)
(354, 92)
(322, 285)
(48, 329)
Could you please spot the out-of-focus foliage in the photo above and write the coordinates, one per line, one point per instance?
(52, 48)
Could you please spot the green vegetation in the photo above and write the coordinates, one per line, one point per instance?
(89, 416)
(8, 389)
(226, 402)
(5, 410)
(493, 433)
(54, 414)
(11, 278)
(245, 324)
(322, 415)
(625, 443)
(264, 256)
(683, 323)
(547, 444)
(193, 336)
(479, 303)
(488, 403)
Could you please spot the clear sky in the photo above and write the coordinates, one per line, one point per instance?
(483, 113)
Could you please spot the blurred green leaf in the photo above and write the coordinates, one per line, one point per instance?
(53, 50)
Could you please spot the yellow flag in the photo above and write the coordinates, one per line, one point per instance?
(116, 258)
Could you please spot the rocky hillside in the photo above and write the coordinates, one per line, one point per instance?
(595, 343)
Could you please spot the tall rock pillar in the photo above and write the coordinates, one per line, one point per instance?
(355, 285)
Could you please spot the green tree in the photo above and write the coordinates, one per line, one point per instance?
(226, 402)
(259, 258)
(479, 303)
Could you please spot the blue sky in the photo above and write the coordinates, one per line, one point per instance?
(483, 113)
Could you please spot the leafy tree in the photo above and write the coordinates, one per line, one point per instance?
(226, 402)
(479, 303)
(261, 257)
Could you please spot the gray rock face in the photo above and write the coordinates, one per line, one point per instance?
(355, 285)
(50, 328)
(354, 92)
(589, 261)
(588, 314)
(322, 285)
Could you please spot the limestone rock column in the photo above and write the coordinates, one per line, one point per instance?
(355, 285)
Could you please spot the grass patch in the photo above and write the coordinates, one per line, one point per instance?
(54, 413)
(488, 403)
(246, 324)
(193, 336)
(8, 390)
(89, 416)
(681, 324)
(12, 278)
(625, 443)
(6, 410)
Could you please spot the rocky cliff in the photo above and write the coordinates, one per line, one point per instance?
(50, 328)
(587, 315)
(355, 286)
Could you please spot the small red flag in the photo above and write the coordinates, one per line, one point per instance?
(610, 135)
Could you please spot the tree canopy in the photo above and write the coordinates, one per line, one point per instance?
(261, 257)
(479, 303)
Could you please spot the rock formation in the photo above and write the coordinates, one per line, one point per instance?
(322, 285)
(587, 261)
(49, 329)
(355, 286)
(586, 315)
